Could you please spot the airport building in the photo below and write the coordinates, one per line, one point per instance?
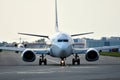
(89, 43)
(79, 43)
(35, 45)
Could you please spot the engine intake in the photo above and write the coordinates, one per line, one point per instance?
(28, 56)
(92, 55)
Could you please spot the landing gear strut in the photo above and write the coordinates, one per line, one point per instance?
(62, 62)
(42, 60)
(76, 60)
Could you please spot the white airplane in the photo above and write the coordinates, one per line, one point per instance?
(61, 47)
(20, 44)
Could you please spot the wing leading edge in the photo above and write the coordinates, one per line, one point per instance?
(12, 49)
(34, 35)
(36, 51)
(82, 34)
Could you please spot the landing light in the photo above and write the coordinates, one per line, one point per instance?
(62, 62)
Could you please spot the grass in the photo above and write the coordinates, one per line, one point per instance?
(113, 54)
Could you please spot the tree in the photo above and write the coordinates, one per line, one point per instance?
(40, 41)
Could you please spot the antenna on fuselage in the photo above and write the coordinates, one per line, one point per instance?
(56, 17)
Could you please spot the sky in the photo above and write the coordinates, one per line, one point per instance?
(75, 16)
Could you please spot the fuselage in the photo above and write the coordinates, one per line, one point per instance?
(61, 45)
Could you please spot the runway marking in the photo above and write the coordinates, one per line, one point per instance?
(53, 61)
(85, 67)
(34, 72)
(50, 70)
(25, 72)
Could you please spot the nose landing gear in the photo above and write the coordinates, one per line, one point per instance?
(62, 62)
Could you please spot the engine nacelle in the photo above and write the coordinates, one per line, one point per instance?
(92, 55)
(0, 50)
(28, 56)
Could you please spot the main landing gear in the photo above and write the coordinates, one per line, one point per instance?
(42, 60)
(76, 60)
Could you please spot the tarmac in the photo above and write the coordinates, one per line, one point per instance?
(13, 68)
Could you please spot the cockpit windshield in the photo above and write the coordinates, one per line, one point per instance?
(62, 40)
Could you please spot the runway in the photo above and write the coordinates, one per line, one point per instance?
(13, 68)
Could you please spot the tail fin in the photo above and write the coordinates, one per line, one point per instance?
(56, 17)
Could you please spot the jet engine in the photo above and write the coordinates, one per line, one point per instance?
(20, 45)
(92, 55)
(28, 56)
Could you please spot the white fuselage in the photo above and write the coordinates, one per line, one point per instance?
(61, 45)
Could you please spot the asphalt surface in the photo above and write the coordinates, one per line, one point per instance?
(13, 68)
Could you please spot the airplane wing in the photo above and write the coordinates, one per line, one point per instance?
(12, 49)
(82, 34)
(96, 49)
(34, 35)
(80, 50)
(36, 51)
(107, 48)
(28, 54)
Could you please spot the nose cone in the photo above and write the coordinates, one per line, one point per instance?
(61, 50)
(65, 51)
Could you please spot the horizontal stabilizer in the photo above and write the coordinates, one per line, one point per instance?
(82, 34)
(34, 35)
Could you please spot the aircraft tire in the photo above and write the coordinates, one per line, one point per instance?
(73, 61)
(45, 61)
(78, 61)
(40, 61)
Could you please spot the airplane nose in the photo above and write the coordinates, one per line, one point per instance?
(63, 50)
(63, 53)
(63, 47)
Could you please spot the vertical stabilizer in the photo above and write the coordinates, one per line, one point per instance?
(56, 17)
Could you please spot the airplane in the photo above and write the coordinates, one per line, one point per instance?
(21, 44)
(61, 47)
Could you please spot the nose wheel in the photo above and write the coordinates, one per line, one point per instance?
(62, 62)
(76, 60)
(42, 60)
